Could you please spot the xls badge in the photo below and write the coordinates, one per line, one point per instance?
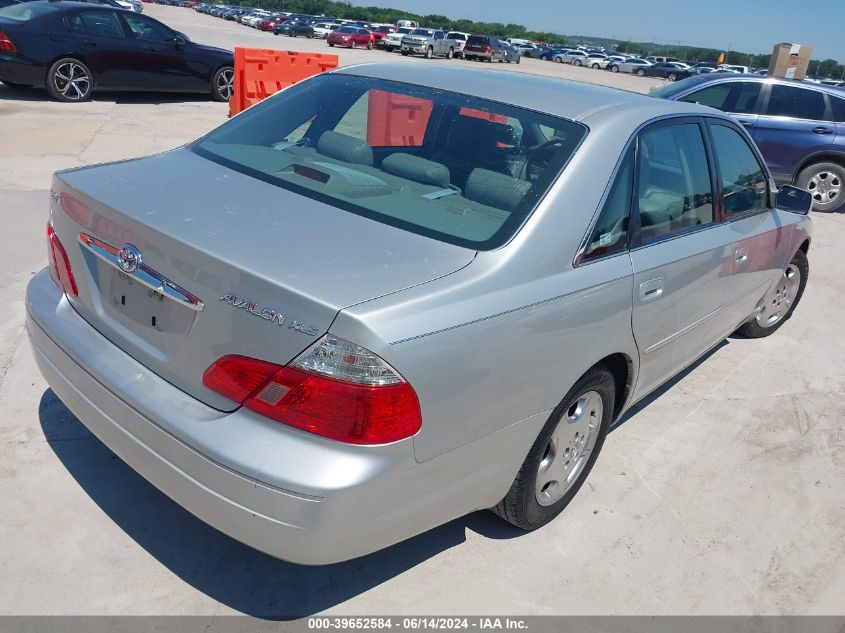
(268, 314)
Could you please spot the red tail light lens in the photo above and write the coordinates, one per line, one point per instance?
(236, 377)
(60, 268)
(488, 49)
(342, 410)
(6, 45)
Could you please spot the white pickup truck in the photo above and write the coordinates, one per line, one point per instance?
(393, 40)
(430, 42)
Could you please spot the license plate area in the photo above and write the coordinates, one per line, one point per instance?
(133, 303)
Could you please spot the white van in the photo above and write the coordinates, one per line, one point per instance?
(408, 24)
(517, 42)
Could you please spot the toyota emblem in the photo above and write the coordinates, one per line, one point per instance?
(129, 258)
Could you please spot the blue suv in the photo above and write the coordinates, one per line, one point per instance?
(799, 126)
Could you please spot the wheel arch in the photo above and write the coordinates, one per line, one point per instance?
(621, 366)
(826, 156)
(73, 55)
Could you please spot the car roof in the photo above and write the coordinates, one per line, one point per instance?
(702, 80)
(63, 6)
(572, 100)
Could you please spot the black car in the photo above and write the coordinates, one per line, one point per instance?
(294, 28)
(666, 70)
(73, 48)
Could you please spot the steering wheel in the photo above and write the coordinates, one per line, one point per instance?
(542, 153)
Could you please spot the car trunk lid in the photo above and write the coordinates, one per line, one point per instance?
(271, 268)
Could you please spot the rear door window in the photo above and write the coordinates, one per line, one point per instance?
(797, 103)
(674, 193)
(838, 109)
(99, 23)
(739, 97)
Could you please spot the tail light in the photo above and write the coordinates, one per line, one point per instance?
(488, 49)
(6, 45)
(60, 268)
(334, 389)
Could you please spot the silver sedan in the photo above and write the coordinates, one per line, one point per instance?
(629, 65)
(364, 307)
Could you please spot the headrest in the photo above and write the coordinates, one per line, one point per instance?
(345, 148)
(495, 189)
(417, 169)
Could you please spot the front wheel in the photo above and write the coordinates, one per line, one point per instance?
(577, 62)
(614, 69)
(70, 80)
(450, 53)
(672, 77)
(429, 53)
(595, 66)
(640, 73)
(559, 60)
(563, 454)
(222, 84)
(780, 301)
(369, 46)
(826, 183)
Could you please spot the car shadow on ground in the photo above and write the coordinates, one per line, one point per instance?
(654, 395)
(119, 98)
(220, 567)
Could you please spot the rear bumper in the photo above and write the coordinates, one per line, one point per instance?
(287, 493)
(21, 71)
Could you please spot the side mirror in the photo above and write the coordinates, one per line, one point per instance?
(794, 200)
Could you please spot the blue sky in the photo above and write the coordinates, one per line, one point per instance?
(751, 26)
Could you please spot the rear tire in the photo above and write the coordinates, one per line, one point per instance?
(784, 295)
(826, 183)
(595, 66)
(577, 62)
(570, 442)
(614, 69)
(640, 73)
(222, 84)
(672, 77)
(70, 80)
(369, 46)
(450, 54)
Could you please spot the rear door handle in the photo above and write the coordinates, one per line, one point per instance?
(89, 42)
(651, 289)
(822, 130)
(746, 123)
(741, 254)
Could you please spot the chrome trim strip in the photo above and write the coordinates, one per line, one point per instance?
(143, 274)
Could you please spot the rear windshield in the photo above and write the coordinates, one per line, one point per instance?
(477, 39)
(26, 11)
(452, 167)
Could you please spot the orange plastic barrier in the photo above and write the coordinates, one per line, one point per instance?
(260, 73)
(396, 120)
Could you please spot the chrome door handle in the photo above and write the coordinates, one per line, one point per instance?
(651, 289)
(746, 123)
(822, 130)
(741, 254)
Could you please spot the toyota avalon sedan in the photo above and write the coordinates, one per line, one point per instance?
(75, 48)
(365, 307)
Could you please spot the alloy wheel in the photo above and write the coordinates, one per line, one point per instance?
(825, 187)
(777, 302)
(569, 448)
(225, 83)
(72, 81)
